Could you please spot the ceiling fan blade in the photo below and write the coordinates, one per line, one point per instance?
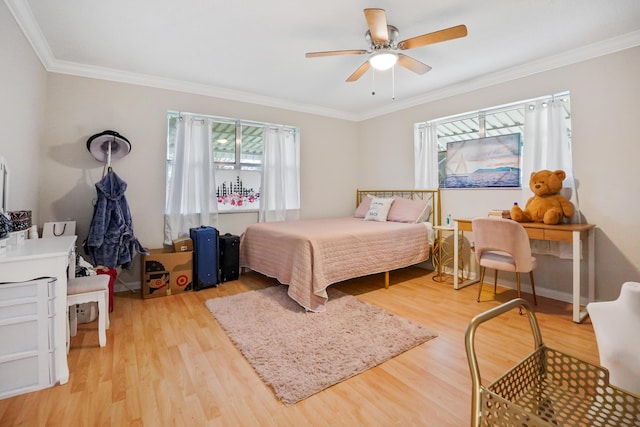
(335, 52)
(435, 37)
(412, 64)
(377, 22)
(359, 72)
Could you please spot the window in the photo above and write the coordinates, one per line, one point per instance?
(237, 151)
(217, 165)
(497, 125)
(237, 145)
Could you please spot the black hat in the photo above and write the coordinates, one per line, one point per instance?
(98, 145)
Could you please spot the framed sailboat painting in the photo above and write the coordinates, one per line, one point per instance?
(492, 161)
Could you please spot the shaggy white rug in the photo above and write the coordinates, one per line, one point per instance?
(300, 353)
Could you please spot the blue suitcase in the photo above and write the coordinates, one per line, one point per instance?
(205, 257)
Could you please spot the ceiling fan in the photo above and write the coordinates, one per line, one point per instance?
(384, 47)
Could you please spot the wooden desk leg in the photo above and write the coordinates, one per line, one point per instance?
(578, 313)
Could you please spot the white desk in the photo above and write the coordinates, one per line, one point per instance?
(48, 257)
(573, 233)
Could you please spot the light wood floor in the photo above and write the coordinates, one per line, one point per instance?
(167, 362)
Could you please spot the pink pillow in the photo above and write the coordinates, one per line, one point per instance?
(407, 210)
(363, 207)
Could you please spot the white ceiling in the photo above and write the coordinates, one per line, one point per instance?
(254, 50)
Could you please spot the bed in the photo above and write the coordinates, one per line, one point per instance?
(390, 229)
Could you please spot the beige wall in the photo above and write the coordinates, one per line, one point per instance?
(22, 104)
(79, 107)
(47, 118)
(604, 102)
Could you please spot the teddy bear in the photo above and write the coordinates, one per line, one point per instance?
(547, 204)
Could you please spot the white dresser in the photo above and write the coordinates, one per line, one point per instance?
(33, 314)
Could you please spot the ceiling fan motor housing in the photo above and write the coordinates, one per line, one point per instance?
(392, 43)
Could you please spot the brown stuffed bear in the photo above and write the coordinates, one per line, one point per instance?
(547, 205)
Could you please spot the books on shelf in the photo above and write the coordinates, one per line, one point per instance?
(500, 213)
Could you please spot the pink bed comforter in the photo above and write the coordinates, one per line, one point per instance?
(309, 255)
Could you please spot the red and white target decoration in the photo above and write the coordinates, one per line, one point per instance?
(182, 280)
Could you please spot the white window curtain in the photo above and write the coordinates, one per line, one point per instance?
(547, 145)
(191, 190)
(280, 184)
(425, 154)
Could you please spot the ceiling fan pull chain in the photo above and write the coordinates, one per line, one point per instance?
(393, 82)
(373, 81)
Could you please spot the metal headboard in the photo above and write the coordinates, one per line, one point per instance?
(433, 195)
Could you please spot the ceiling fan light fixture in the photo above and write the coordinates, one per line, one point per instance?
(383, 60)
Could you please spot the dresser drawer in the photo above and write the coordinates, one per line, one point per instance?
(14, 291)
(27, 334)
(51, 259)
(16, 309)
(18, 374)
(19, 337)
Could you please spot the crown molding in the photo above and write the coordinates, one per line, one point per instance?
(102, 73)
(26, 21)
(595, 50)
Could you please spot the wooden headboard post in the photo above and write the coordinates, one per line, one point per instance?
(433, 195)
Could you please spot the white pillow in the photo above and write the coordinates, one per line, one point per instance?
(379, 209)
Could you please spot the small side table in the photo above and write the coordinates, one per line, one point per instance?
(440, 253)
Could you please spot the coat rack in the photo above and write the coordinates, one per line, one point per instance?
(108, 145)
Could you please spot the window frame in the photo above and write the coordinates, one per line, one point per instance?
(480, 117)
(238, 166)
(239, 138)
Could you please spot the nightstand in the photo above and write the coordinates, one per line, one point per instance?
(442, 254)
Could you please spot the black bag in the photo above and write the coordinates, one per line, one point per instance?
(229, 257)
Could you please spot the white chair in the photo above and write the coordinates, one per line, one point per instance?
(85, 289)
(503, 244)
(616, 324)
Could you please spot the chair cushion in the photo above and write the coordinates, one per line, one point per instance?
(80, 285)
(497, 260)
(502, 261)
